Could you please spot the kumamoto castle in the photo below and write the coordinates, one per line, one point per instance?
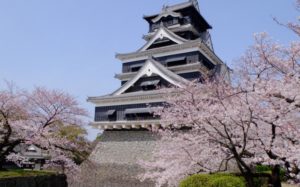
(178, 48)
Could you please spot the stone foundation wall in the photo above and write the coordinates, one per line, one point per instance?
(115, 159)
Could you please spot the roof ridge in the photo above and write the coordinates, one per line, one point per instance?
(166, 13)
(173, 7)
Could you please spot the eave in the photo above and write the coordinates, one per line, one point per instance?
(193, 67)
(129, 98)
(150, 68)
(190, 46)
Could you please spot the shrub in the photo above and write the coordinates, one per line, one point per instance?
(214, 180)
(195, 181)
(263, 169)
(226, 181)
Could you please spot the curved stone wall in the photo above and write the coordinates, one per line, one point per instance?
(116, 157)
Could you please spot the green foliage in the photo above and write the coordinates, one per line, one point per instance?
(99, 137)
(227, 181)
(23, 173)
(263, 169)
(268, 169)
(73, 133)
(76, 134)
(214, 180)
(195, 180)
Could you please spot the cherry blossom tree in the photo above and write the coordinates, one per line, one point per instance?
(37, 118)
(256, 120)
(271, 73)
(12, 111)
(204, 128)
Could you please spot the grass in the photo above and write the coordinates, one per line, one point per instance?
(23, 173)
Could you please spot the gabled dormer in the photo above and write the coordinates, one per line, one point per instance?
(161, 38)
(149, 77)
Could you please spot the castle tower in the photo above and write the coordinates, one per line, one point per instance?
(177, 49)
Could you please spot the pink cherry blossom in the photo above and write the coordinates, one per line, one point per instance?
(35, 118)
(215, 125)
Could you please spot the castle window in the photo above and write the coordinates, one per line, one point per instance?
(112, 115)
(138, 114)
(175, 21)
(187, 20)
(176, 61)
(170, 22)
(135, 68)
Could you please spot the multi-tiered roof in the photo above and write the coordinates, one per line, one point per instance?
(178, 49)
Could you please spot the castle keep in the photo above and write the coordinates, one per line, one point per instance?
(178, 48)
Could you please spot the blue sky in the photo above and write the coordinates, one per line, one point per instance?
(70, 44)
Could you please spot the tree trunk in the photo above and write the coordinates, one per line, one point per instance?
(2, 161)
(249, 179)
(275, 178)
(246, 172)
(1, 164)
